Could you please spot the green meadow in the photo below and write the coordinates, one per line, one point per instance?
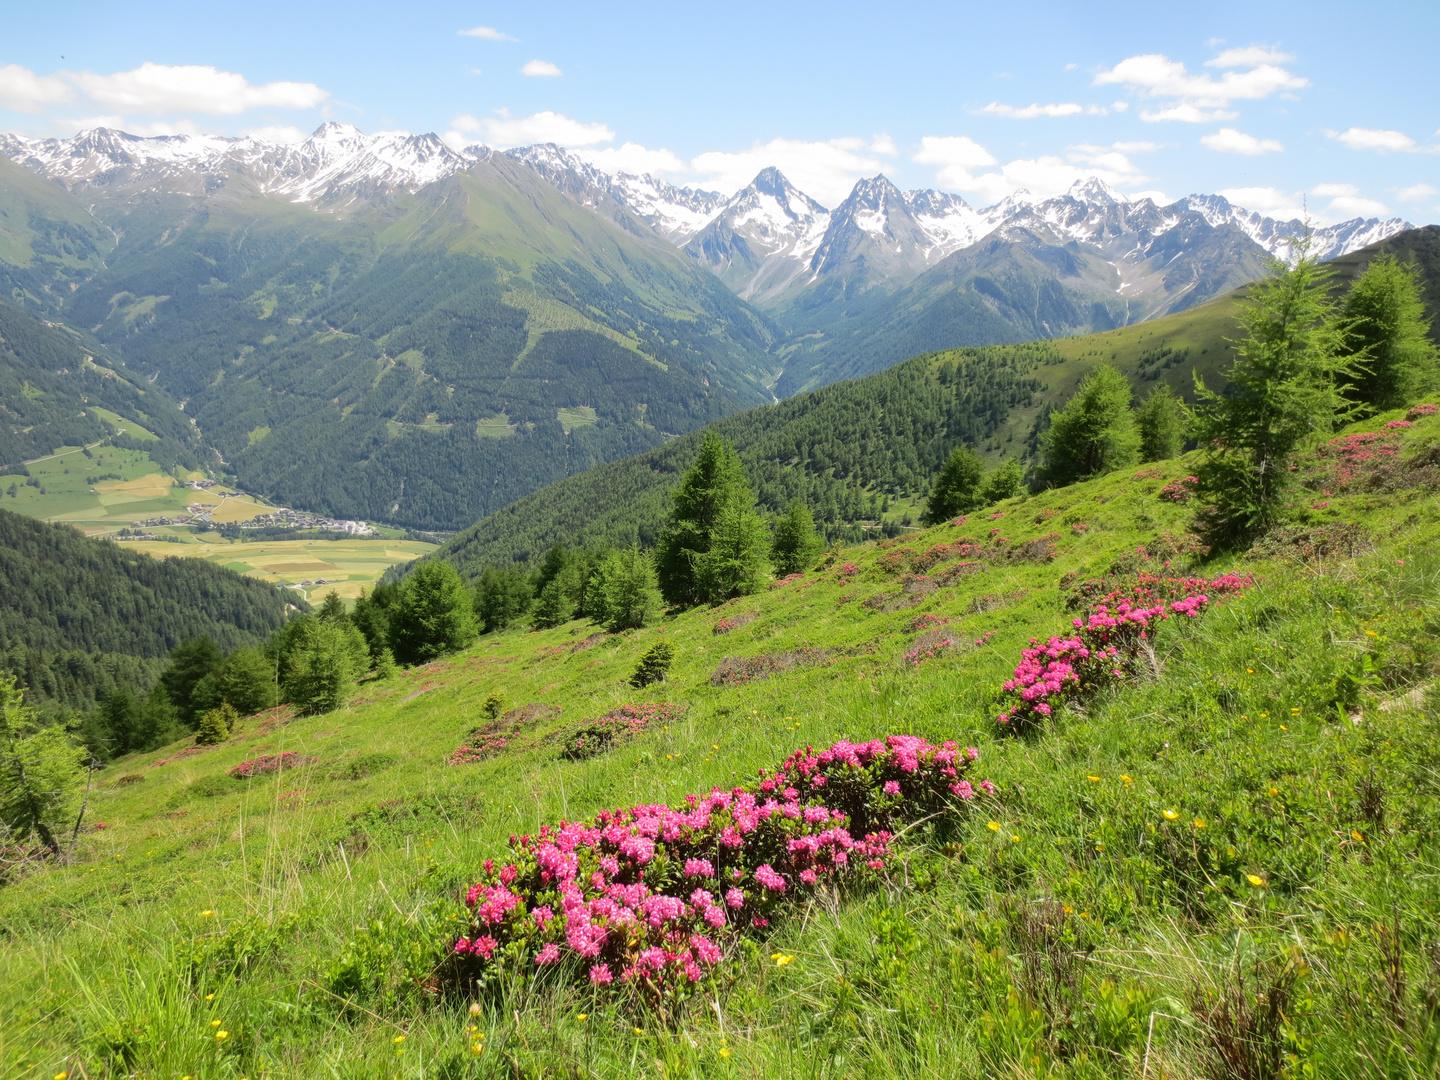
(1232, 853)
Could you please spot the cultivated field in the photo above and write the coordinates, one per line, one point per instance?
(347, 567)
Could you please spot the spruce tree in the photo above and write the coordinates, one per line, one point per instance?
(1386, 335)
(435, 614)
(324, 663)
(713, 490)
(1004, 483)
(1095, 433)
(957, 488)
(1284, 389)
(796, 544)
(1163, 420)
(553, 607)
(190, 662)
(502, 597)
(628, 598)
(333, 609)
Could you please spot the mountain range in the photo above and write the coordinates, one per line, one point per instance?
(386, 327)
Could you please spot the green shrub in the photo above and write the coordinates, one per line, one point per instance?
(363, 766)
(654, 665)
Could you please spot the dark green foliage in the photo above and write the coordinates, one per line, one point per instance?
(654, 665)
(736, 558)
(795, 544)
(958, 488)
(833, 449)
(1283, 390)
(190, 663)
(125, 723)
(624, 594)
(48, 392)
(1385, 331)
(553, 607)
(711, 508)
(371, 616)
(502, 597)
(364, 765)
(40, 771)
(333, 609)
(1163, 420)
(78, 618)
(322, 663)
(216, 725)
(1004, 483)
(1094, 433)
(246, 681)
(434, 614)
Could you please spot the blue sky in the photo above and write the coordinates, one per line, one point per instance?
(1269, 103)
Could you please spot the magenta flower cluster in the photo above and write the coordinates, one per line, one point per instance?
(1419, 412)
(1180, 491)
(1104, 645)
(269, 763)
(651, 897)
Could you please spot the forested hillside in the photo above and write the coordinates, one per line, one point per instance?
(79, 617)
(51, 382)
(420, 358)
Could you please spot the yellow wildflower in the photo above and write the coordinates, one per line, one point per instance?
(1199, 823)
(993, 826)
(724, 1051)
(1171, 815)
(781, 960)
(207, 914)
(1093, 779)
(1256, 880)
(1357, 835)
(222, 1035)
(1126, 779)
(583, 1016)
(398, 1039)
(214, 1023)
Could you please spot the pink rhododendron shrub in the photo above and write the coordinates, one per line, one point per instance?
(1105, 644)
(650, 897)
(269, 763)
(603, 733)
(1419, 412)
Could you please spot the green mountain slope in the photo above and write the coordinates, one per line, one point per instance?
(422, 359)
(1250, 809)
(78, 616)
(849, 445)
(52, 384)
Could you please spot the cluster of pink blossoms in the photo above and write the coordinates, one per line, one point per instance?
(1104, 645)
(650, 895)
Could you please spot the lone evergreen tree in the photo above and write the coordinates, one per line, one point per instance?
(957, 488)
(553, 607)
(1004, 483)
(1163, 419)
(654, 665)
(1284, 389)
(435, 614)
(713, 491)
(795, 544)
(1386, 335)
(324, 662)
(1095, 433)
(333, 609)
(216, 725)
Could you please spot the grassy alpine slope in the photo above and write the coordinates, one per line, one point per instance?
(1231, 851)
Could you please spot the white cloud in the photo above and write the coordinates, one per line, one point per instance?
(1415, 192)
(487, 33)
(277, 133)
(1201, 97)
(884, 144)
(1159, 198)
(1136, 147)
(1357, 138)
(503, 130)
(23, 91)
(130, 127)
(1345, 202)
(1229, 140)
(1186, 114)
(191, 88)
(960, 159)
(1030, 112)
(956, 156)
(824, 170)
(633, 158)
(1248, 56)
(541, 69)
(1349, 206)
